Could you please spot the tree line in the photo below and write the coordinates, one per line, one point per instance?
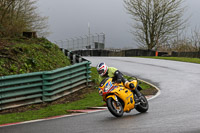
(17, 16)
(159, 24)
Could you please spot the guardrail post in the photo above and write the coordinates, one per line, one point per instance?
(1, 83)
(43, 87)
(74, 59)
(87, 67)
(88, 73)
(80, 60)
(68, 54)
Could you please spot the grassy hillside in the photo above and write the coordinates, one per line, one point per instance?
(19, 56)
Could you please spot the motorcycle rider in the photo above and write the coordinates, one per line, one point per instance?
(105, 71)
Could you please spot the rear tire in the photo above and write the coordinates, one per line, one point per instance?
(143, 106)
(116, 110)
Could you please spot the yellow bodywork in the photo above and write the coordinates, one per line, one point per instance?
(122, 93)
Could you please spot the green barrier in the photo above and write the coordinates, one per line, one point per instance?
(31, 88)
(20, 79)
(21, 98)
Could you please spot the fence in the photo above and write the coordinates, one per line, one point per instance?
(96, 41)
(131, 52)
(127, 53)
(46, 86)
(186, 54)
(139, 52)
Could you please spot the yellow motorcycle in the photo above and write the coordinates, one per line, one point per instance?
(120, 99)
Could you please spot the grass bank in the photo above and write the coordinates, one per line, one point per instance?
(88, 97)
(183, 59)
(18, 56)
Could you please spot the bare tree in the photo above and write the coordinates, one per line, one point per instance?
(155, 21)
(17, 16)
(195, 39)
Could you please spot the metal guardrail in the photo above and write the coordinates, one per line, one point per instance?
(38, 87)
(75, 58)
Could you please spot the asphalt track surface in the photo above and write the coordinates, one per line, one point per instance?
(175, 110)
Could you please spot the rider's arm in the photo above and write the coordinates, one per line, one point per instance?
(119, 76)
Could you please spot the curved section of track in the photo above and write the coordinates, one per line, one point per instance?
(177, 109)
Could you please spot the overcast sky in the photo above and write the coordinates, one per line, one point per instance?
(70, 18)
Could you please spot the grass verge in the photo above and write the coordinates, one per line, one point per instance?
(89, 98)
(183, 59)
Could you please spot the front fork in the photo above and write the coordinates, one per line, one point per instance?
(137, 92)
(137, 95)
(115, 98)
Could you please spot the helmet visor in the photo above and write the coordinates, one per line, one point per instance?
(101, 71)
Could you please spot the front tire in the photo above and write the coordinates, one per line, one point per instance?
(115, 108)
(143, 106)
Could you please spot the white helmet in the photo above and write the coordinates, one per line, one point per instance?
(102, 68)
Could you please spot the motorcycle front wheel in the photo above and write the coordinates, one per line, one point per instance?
(143, 106)
(114, 107)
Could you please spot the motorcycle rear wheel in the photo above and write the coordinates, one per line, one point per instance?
(143, 106)
(115, 108)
